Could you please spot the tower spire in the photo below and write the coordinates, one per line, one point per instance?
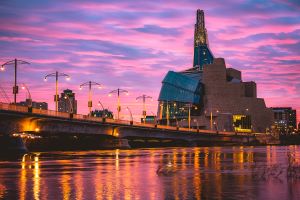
(200, 36)
(202, 53)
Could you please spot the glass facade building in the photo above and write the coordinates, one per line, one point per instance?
(182, 92)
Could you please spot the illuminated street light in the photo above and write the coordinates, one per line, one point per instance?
(211, 116)
(100, 104)
(155, 120)
(131, 118)
(189, 106)
(14, 62)
(195, 120)
(118, 92)
(144, 97)
(56, 75)
(70, 104)
(90, 84)
(24, 87)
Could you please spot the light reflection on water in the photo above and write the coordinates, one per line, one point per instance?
(197, 173)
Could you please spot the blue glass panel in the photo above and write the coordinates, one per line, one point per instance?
(180, 88)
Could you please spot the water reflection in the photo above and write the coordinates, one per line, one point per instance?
(199, 173)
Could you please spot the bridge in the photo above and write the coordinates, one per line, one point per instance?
(16, 119)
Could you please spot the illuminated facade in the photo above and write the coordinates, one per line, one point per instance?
(285, 119)
(215, 97)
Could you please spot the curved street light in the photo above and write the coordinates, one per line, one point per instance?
(118, 92)
(56, 75)
(131, 121)
(70, 103)
(90, 84)
(155, 117)
(24, 87)
(15, 62)
(144, 97)
(100, 104)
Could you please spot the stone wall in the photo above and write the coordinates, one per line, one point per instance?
(223, 99)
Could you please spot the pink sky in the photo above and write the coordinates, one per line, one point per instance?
(132, 45)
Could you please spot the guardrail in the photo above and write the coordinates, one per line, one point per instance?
(25, 109)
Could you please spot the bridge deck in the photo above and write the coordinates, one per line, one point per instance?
(87, 118)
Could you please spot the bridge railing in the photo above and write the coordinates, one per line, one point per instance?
(13, 107)
(50, 113)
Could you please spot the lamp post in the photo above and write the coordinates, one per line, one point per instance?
(56, 75)
(144, 97)
(90, 84)
(100, 104)
(14, 62)
(155, 120)
(189, 106)
(211, 117)
(131, 121)
(70, 103)
(24, 87)
(195, 120)
(118, 92)
(168, 114)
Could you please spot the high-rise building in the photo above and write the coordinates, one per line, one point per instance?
(285, 119)
(211, 96)
(67, 102)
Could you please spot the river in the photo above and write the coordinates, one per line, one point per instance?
(265, 172)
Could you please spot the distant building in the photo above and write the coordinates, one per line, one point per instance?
(285, 119)
(102, 113)
(34, 104)
(214, 96)
(67, 102)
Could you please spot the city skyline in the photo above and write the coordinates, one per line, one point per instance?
(133, 45)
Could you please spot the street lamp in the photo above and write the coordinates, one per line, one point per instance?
(211, 117)
(189, 106)
(90, 84)
(195, 120)
(56, 75)
(131, 121)
(100, 104)
(15, 62)
(155, 118)
(118, 92)
(24, 87)
(168, 114)
(144, 97)
(70, 104)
